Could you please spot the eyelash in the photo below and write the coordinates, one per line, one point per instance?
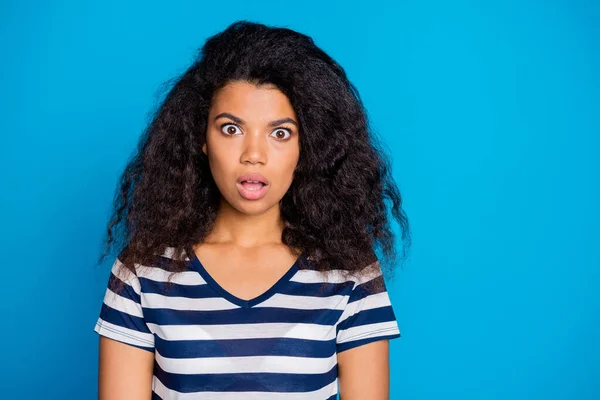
(275, 130)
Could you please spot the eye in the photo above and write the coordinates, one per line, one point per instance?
(229, 129)
(280, 133)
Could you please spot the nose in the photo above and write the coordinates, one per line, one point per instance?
(255, 148)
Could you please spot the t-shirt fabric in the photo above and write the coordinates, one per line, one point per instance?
(210, 344)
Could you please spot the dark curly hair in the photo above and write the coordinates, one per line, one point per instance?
(334, 210)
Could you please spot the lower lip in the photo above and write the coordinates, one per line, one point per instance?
(252, 194)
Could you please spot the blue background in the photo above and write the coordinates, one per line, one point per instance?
(490, 110)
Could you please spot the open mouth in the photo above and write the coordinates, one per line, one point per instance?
(252, 185)
(252, 190)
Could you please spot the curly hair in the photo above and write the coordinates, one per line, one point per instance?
(335, 209)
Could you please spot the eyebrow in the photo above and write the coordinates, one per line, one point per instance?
(240, 121)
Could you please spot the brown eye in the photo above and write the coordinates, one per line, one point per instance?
(280, 133)
(229, 129)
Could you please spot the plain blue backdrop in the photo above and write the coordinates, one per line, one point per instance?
(490, 111)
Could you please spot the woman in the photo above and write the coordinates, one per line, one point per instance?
(246, 226)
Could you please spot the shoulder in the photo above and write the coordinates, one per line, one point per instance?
(369, 275)
(160, 266)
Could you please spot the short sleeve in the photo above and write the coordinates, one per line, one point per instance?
(121, 316)
(368, 315)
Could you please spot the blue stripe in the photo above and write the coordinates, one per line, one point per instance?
(245, 347)
(202, 291)
(361, 291)
(241, 316)
(167, 264)
(242, 382)
(125, 320)
(318, 289)
(365, 317)
(126, 291)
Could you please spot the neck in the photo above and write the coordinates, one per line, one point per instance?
(244, 230)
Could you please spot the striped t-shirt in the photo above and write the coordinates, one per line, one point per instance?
(208, 343)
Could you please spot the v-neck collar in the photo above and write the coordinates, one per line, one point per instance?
(197, 265)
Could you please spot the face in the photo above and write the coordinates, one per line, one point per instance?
(252, 130)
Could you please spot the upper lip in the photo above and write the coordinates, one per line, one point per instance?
(253, 177)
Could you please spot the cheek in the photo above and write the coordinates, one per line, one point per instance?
(221, 163)
(287, 164)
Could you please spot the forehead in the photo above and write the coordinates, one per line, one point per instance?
(251, 102)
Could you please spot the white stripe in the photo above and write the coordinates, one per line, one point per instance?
(124, 334)
(369, 302)
(169, 253)
(244, 331)
(336, 302)
(367, 331)
(122, 304)
(181, 278)
(155, 300)
(369, 273)
(248, 364)
(338, 275)
(311, 276)
(126, 276)
(320, 394)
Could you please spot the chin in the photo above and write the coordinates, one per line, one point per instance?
(249, 207)
(254, 208)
